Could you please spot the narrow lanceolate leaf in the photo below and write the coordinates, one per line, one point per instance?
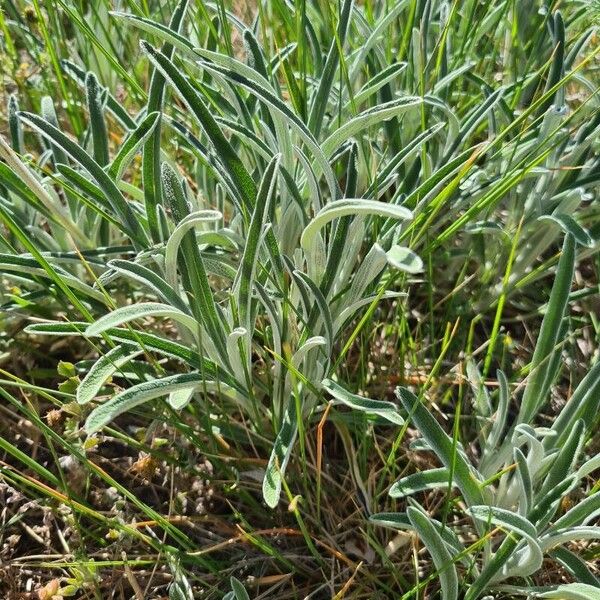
(138, 394)
(81, 183)
(569, 225)
(368, 118)
(573, 591)
(191, 265)
(280, 455)
(565, 536)
(231, 161)
(322, 94)
(104, 368)
(391, 520)
(151, 280)
(151, 155)
(146, 342)
(49, 113)
(523, 562)
(244, 283)
(500, 417)
(540, 378)
(525, 484)
(442, 559)
(23, 264)
(239, 591)
(582, 513)
(575, 565)
(441, 443)
(279, 110)
(418, 482)
(97, 122)
(27, 243)
(381, 408)
(53, 206)
(404, 259)
(583, 404)
(346, 207)
(14, 124)
(125, 314)
(564, 463)
(174, 242)
(311, 291)
(130, 221)
(132, 144)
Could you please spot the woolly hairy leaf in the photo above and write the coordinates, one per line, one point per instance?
(372, 116)
(280, 455)
(227, 155)
(385, 410)
(573, 591)
(442, 559)
(418, 482)
(138, 394)
(442, 445)
(346, 207)
(103, 369)
(130, 221)
(132, 144)
(541, 378)
(125, 314)
(404, 259)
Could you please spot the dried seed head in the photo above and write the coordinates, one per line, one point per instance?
(54, 417)
(145, 466)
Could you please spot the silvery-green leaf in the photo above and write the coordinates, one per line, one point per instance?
(179, 399)
(246, 273)
(33, 185)
(570, 534)
(138, 394)
(227, 155)
(322, 94)
(583, 404)
(174, 242)
(233, 350)
(575, 565)
(104, 368)
(348, 312)
(540, 377)
(404, 259)
(569, 225)
(465, 477)
(442, 559)
(23, 264)
(279, 109)
(522, 562)
(524, 478)
(381, 408)
(391, 520)
(129, 221)
(309, 344)
(238, 589)
(573, 591)
(125, 314)
(280, 455)
(372, 116)
(132, 144)
(417, 482)
(150, 279)
(95, 102)
(346, 207)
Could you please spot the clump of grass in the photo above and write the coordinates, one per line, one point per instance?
(240, 238)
